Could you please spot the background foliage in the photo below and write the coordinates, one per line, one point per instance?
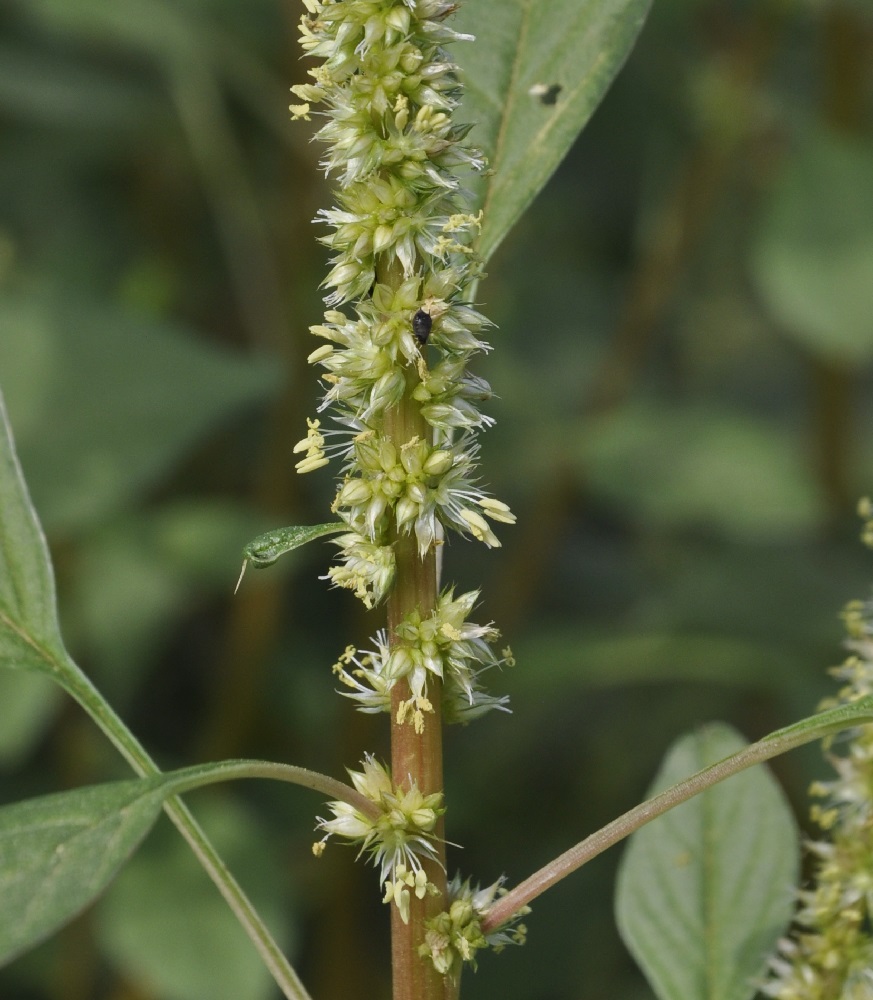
(683, 428)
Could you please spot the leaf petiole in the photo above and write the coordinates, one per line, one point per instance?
(776, 743)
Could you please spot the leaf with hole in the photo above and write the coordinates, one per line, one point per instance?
(532, 81)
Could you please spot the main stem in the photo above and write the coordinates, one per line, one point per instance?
(416, 758)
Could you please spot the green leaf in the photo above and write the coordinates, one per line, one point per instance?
(533, 79)
(813, 260)
(817, 727)
(705, 891)
(29, 634)
(59, 852)
(710, 743)
(266, 549)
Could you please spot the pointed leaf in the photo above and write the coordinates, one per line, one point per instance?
(705, 890)
(266, 549)
(532, 80)
(29, 633)
(57, 853)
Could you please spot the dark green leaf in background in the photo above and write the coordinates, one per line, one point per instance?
(61, 92)
(141, 569)
(705, 891)
(27, 705)
(125, 396)
(813, 261)
(577, 658)
(700, 466)
(533, 79)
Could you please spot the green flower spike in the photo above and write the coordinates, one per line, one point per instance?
(401, 239)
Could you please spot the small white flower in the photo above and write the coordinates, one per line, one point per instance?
(399, 837)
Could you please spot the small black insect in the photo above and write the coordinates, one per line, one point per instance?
(547, 94)
(421, 324)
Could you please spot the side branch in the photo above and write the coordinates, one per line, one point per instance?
(771, 746)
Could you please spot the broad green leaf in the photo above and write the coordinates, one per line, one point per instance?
(813, 260)
(80, 381)
(532, 80)
(678, 899)
(705, 890)
(59, 852)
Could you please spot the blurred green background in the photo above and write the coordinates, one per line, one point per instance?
(684, 426)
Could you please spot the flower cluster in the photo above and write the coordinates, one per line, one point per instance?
(397, 838)
(402, 257)
(443, 644)
(455, 935)
(401, 411)
(830, 954)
